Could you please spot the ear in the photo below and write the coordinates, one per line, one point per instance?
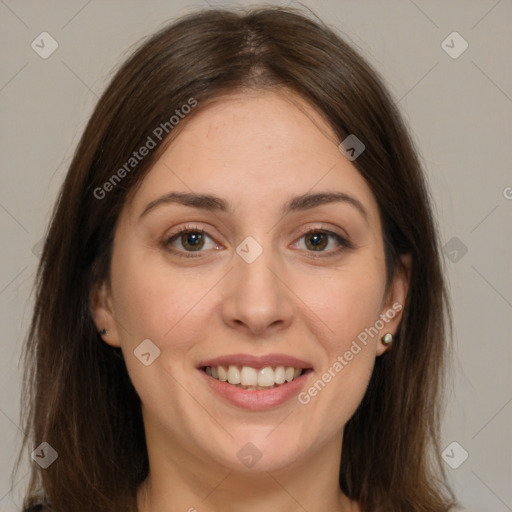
(394, 301)
(102, 312)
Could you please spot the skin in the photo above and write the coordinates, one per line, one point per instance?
(256, 150)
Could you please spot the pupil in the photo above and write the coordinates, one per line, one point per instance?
(195, 237)
(317, 237)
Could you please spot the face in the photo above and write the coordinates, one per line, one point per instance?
(257, 282)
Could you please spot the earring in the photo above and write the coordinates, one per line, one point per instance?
(103, 332)
(387, 339)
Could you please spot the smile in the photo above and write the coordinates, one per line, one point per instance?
(253, 379)
(254, 397)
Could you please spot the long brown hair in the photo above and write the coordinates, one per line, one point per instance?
(77, 395)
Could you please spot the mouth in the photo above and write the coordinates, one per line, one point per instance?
(250, 378)
(255, 382)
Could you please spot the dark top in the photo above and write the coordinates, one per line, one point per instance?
(39, 507)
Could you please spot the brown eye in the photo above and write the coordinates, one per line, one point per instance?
(192, 240)
(188, 240)
(318, 240)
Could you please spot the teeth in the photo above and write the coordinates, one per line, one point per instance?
(233, 375)
(252, 378)
(280, 375)
(266, 377)
(249, 376)
(223, 374)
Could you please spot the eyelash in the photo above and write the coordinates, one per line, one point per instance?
(344, 243)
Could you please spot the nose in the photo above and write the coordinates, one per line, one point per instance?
(258, 299)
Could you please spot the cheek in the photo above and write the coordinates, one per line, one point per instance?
(345, 306)
(345, 302)
(150, 302)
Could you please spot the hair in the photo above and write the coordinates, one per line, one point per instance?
(77, 395)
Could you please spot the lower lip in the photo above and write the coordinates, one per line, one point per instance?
(257, 400)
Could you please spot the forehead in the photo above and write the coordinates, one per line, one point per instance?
(257, 126)
(256, 146)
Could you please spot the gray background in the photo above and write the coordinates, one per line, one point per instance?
(459, 111)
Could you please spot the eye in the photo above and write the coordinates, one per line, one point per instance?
(316, 240)
(191, 238)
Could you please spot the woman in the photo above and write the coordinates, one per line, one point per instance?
(240, 301)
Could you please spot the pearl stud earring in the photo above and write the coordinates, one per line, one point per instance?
(387, 339)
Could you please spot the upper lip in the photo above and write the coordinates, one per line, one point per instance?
(256, 361)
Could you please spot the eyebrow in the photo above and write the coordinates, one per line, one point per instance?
(211, 202)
